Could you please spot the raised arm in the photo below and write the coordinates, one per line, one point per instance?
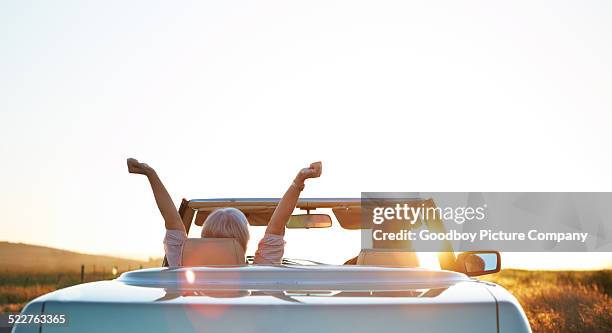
(287, 204)
(162, 198)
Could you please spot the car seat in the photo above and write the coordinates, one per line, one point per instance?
(212, 251)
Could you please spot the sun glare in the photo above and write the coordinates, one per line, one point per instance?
(190, 276)
(428, 260)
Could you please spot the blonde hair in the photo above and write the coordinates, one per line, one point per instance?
(227, 223)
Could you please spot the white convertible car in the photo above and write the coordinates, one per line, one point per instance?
(378, 290)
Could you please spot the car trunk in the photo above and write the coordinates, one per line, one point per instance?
(277, 299)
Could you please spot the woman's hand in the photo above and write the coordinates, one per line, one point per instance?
(172, 219)
(313, 171)
(139, 168)
(285, 207)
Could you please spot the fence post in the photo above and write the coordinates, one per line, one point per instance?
(82, 273)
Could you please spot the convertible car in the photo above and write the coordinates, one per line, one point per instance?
(215, 290)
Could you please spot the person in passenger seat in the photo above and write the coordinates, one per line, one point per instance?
(226, 222)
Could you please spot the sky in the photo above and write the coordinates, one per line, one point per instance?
(231, 99)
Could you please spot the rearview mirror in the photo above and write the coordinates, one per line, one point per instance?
(475, 263)
(306, 221)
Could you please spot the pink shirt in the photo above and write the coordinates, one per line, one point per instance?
(270, 249)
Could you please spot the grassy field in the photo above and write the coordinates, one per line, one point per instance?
(16, 289)
(554, 301)
(27, 271)
(572, 301)
(19, 257)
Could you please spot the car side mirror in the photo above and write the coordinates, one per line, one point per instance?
(475, 263)
(306, 221)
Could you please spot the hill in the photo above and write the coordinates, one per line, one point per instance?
(19, 257)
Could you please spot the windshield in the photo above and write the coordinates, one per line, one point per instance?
(334, 245)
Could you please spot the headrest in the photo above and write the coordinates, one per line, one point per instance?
(375, 257)
(212, 251)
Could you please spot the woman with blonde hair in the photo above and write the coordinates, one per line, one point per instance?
(226, 222)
